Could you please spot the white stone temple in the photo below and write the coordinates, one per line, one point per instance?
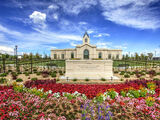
(86, 51)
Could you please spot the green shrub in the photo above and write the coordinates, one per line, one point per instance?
(34, 78)
(86, 79)
(75, 79)
(121, 79)
(158, 73)
(9, 70)
(131, 73)
(122, 72)
(53, 74)
(14, 75)
(116, 72)
(141, 78)
(60, 71)
(35, 70)
(38, 73)
(57, 79)
(127, 76)
(19, 73)
(128, 72)
(156, 79)
(123, 93)
(19, 80)
(103, 79)
(3, 75)
(3, 80)
(26, 74)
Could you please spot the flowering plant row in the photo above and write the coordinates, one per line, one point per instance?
(92, 90)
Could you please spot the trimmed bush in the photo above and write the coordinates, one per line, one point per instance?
(156, 79)
(14, 75)
(132, 73)
(75, 79)
(3, 80)
(9, 70)
(60, 71)
(53, 74)
(19, 80)
(158, 73)
(103, 79)
(86, 79)
(34, 78)
(3, 75)
(121, 79)
(26, 74)
(57, 80)
(116, 72)
(38, 73)
(127, 76)
(122, 72)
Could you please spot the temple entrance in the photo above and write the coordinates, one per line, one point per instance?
(86, 54)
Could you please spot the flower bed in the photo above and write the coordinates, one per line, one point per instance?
(123, 101)
(89, 90)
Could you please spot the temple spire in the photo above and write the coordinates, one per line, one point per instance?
(85, 34)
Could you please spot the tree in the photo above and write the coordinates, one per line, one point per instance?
(37, 56)
(136, 56)
(150, 55)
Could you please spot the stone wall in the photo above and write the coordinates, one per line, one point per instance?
(92, 69)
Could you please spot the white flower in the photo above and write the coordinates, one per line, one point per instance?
(56, 94)
(50, 91)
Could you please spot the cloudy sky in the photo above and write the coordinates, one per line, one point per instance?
(42, 25)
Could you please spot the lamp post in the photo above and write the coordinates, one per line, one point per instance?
(16, 55)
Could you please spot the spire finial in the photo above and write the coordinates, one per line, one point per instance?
(86, 33)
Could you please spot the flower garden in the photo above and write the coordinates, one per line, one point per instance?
(48, 100)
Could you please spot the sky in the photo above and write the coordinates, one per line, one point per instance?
(41, 25)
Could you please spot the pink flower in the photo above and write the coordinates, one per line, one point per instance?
(61, 118)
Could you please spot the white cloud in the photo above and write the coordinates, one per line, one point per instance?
(76, 6)
(55, 16)
(133, 13)
(82, 23)
(38, 17)
(42, 39)
(6, 49)
(102, 35)
(11, 32)
(123, 46)
(90, 31)
(103, 44)
(53, 7)
(73, 44)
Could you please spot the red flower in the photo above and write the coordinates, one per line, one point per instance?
(122, 103)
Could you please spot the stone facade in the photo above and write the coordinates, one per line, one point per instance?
(86, 51)
(91, 69)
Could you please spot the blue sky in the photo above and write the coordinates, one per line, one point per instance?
(42, 25)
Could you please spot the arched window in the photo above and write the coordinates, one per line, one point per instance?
(72, 55)
(86, 54)
(100, 55)
(86, 40)
(109, 56)
(62, 56)
(117, 56)
(55, 56)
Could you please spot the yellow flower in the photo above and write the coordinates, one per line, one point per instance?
(150, 99)
(99, 94)
(14, 84)
(111, 89)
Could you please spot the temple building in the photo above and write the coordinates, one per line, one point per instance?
(86, 51)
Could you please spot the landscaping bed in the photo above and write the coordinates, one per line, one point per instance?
(48, 100)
